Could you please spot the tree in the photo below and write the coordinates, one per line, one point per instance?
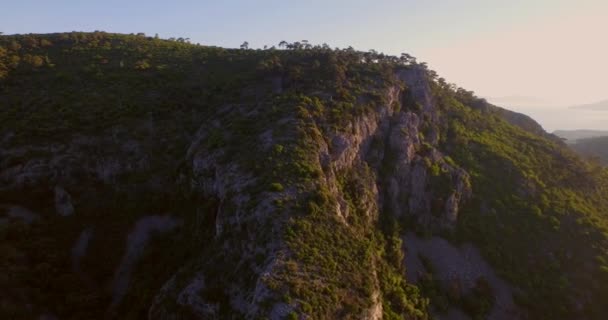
(14, 46)
(142, 64)
(407, 59)
(45, 43)
(283, 44)
(34, 60)
(14, 61)
(245, 45)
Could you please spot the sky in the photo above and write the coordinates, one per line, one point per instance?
(516, 52)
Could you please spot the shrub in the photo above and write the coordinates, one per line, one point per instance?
(276, 186)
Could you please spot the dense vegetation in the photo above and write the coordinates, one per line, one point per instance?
(536, 222)
(538, 211)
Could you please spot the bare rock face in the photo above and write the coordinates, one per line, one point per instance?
(79, 250)
(419, 200)
(411, 156)
(463, 265)
(461, 193)
(404, 137)
(188, 298)
(136, 243)
(19, 213)
(353, 143)
(63, 202)
(222, 180)
(277, 84)
(417, 82)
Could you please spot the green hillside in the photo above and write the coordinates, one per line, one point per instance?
(151, 178)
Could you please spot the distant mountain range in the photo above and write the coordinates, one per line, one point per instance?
(600, 106)
(515, 100)
(573, 135)
(593, 147)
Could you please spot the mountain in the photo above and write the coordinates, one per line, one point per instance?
(573, 135)
(593, 147)
(600, 106)
(148, 178)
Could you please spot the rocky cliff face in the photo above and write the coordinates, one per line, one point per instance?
(385, 138)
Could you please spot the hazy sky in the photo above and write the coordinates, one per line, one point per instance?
(554, 51)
